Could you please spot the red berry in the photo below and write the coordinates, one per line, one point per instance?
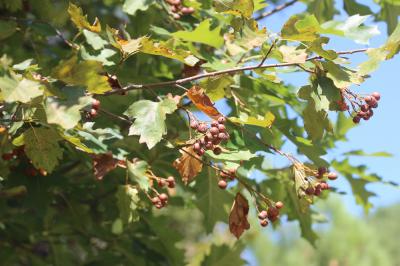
(310, 191)
(332, 176)
(7, 156)
(209, 145)
(356, 119)
(155, 200)
(221, 120)
(262, 215)
(279, 205)
(368, 99)
(162, 182)
(221, 127)
(163, 197)
(322, 171)
(264, 223)
(222, 184)
(364, 107)
(214, 130)
(196, 146)
(222, 136)
(214, 123)
(95, 104)
(93, 112)
(202, 128)
(217, 151)
(376, 95)
(171, 181)
(317, 191)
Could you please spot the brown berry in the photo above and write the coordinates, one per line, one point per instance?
(221, 120)
(264, 223)
(214, 123)
(202, 128)
(279, 205)
(332, 176)
(155, 200)
(356, 119)
(217, 151)
(162, 182)
(221, 127)
(214, 130)
(310, 191)
(222, 184)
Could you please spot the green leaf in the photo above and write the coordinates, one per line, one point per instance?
(301, 29)
(66, 112)
(363, 153)
(150, 120)
(137, 173)
(224, 256)
(316, 47)
(17, 89)
(84, 73)
(77, 143)
(132, 6)
(202, 34)
(352, 28)
(243, 8)
(102, 57)
(322, 9)
(80, 20)
(227, 155)
(316, 121)
(127, 202)
(7, 28)
(354, 8)
(41, 146)
(94, 40)
(215, 86)
(213, 202)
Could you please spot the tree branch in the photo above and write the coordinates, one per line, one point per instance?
(276, 9)
(217, 73)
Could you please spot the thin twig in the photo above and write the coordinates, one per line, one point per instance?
(276, 9)
(217, 73)
(267, 54)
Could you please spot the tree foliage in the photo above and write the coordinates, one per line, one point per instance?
(109, 127)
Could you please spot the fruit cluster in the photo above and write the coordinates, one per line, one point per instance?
(226, 176)
(272, 214)
(178, 10)
(212, 136)
(365, 112)
(15, 153)
(19, 153)
(161, 199)
(95, 108)
(315, 188)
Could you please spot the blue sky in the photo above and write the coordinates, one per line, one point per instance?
(380, 133)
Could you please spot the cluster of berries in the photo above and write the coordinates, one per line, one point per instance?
(95, 108)
(178, 9)
(212, 136)
(161, 200)
(366, 112)
(318, 187)
(272, 214)
(14, 154)
(226, 176)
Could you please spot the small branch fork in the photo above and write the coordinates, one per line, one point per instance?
(275, 10)
(221, 72)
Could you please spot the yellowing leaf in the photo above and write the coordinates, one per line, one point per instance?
(188, 165)
(265, 121)
(81, 21)
(162, 49)
(85, 73)
(292, 55)
(238, 222)
(203, 102)
(301, 29)
(202, 34)
(243, 8)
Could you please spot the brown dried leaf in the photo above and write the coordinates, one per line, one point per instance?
(187, 165)
(104, 163)
(203, 102)
(238, 216)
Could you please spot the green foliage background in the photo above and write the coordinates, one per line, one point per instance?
(55, 60)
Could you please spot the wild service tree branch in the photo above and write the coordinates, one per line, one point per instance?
(275, 10)
(217, 73)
